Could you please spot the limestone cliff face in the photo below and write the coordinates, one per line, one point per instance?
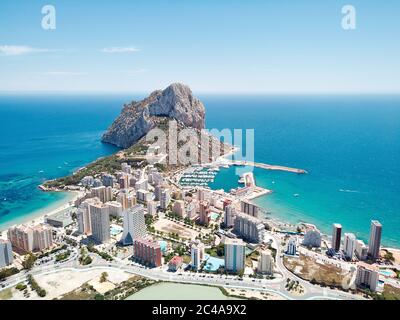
(138, 118)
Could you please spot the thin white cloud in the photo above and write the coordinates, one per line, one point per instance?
(119, 50)
(7, 50)
(65, 73)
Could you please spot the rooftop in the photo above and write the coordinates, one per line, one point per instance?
(176, 260)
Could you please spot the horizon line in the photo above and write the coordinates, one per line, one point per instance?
(202, 92)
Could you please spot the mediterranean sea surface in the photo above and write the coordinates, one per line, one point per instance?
(350, 145)
(47, 136)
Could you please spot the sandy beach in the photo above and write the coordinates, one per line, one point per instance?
(39, 215)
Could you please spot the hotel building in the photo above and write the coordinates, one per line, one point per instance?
(197, 254)
(230, 215)
(312, 238)
(151, 207)
(124, 180)
(83, 216)
(115, 208)
(179, 208)
(349, 245)
(126, 199)
(134, 224)
(203, 194)
(249, 228)
(292, 247)
(266, 262)
(6, 255)
(361, 250)
(336, 236)
(165, 198)
(107, 180)
(249, 208)
(191, 209)
(100, 221)
(375, 239)
(367, 276)
(147, 252)
(126, 168)
(142, 184)
(31, 238)
(234, 255)
(103, 193)
(204, 213)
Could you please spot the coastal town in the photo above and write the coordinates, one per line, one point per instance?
(144, 224)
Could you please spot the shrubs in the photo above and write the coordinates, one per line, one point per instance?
(5, 273)
(85, 260)
(29, 261)
(63, 256)
(46, 254)
(103, 277)
(98, 296)
(389, 256)
(104, 255)
(21, 286)
(35, 286)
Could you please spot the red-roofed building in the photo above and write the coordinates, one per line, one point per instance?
(175, 263)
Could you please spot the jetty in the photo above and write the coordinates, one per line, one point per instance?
(265, 166)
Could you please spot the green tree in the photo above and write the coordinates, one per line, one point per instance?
(389, 256)
(98, 296)
(29, 261)
(103, 277)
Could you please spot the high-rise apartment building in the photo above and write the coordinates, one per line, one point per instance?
(235, 255)
(230, 215)
(367, 276)
(249, 208)
(147, 252)
(134, 224)
(349, 245)
(266, 262)
(374, 245)
(100, 221)
(249, 228)
(6, 255)
(31, 238)
(336, 236)
(198, 255)
(204, 213)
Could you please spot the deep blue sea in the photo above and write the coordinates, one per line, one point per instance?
(350, 145)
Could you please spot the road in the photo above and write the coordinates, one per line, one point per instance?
(275, 286)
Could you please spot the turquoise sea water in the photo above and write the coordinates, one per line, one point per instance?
(44, 137)
(350, 146)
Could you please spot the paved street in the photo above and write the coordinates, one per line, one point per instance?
(276, 286)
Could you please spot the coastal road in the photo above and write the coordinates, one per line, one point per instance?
(275, 286)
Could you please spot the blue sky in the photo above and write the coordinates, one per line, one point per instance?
(283, 46)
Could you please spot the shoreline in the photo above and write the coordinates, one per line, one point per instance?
(279, 221)
(39, 215)
(71, 195)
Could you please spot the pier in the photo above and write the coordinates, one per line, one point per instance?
(266, 166)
